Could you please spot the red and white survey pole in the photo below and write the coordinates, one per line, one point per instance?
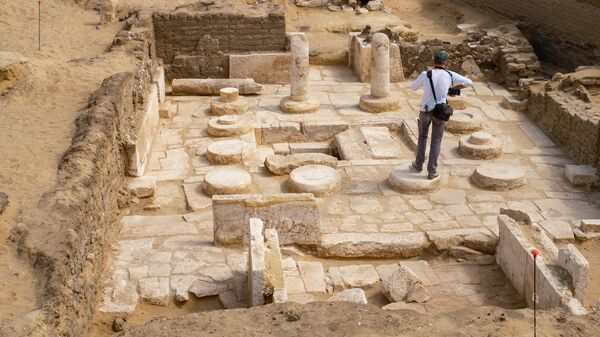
(39, 24)
(534, 253)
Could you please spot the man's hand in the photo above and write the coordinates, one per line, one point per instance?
(459, 86)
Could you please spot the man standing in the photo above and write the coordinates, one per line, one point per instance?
(442, 80)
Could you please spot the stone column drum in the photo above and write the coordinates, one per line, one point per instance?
(299, 100)
(380, 99)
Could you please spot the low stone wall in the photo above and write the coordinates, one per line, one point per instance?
(563, 110)
(68, 237)
(359, 59)
(295, 217)
(195, 41)
(513, 255)
(265, 68)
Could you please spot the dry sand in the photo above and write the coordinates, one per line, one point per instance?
(36, 123)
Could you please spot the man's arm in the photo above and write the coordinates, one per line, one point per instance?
(418, 83)
(461, 82)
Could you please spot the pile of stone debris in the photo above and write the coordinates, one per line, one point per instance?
(358, 6)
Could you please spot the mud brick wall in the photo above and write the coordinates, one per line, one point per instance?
(197, 44)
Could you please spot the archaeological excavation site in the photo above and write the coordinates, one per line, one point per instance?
(262, 167)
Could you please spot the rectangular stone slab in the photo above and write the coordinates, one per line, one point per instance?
(265, 68)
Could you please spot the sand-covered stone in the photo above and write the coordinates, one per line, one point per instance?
(356, 295)
(480, 145)
(397, 285)
(155, 290)
(319, 180)
(499, 177)
(581, 175)
(227, 180)
(359, 276)
(405, 244)
(406, 180)
(142, 187)
(282, 165)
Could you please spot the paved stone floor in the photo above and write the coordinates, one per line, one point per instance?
(166, 243)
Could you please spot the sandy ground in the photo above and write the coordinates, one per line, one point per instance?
(36, 123)
(349, 319)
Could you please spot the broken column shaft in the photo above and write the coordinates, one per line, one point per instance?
(381, 98)
(299, 100)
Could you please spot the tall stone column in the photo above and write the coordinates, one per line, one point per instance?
(299, 100)
(380, 99)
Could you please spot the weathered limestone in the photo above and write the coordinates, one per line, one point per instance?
(227, 180)
(225, 152)
(581, 175)
(463, 122)
(256, 263)
(139, 148)
(212, 86)
(142, 187)
(229, 103)
(359, 276)
(457, 102)
(590, 225)
(159, 80)
(397, 285)
(274, 277)
(577, 265)
(480, 145)
(299, 100)
(380, 99)
(558, 230)
(313, 276)
(228, 126)
(499, 177)
(444, 239)
(295, 216)
(282, 165)
(3, 201)
(319, 180)
(108, 11)
(265, 68)
(408, 181)
(155, 290)
(356, 295)
(360, 58)
(14, 70)
(381, 143)
(403, 245)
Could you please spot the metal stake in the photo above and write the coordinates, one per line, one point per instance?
(535, 253)
(39, 24)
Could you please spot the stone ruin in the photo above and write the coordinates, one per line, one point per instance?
(359, 7)
(256, 178)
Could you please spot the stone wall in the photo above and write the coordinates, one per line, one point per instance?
(68, 237)
(557, 27)
(562, 108)
(295, 217)
(196, 41)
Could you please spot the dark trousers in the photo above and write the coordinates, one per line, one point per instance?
(437, 132)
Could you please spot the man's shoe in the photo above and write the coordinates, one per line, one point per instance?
(417, 167)
(433, 175)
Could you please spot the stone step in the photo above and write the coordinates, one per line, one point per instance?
(403, 245)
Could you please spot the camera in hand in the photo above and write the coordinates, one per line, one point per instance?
(453, 92)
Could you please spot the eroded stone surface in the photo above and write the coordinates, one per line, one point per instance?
(499, 177)
(463, 121)
(406, 180)
(281, 165)
(356, 295)
(227, 126)
(219, 107)
(226, 152)
(227, 180)
(319, 180)
(480, 145)
(359, 276)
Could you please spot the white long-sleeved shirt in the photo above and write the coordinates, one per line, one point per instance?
(442, 82)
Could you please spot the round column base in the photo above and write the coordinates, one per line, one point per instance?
(369, 103)
(290, 106)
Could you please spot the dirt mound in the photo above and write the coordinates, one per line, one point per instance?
(350, 319)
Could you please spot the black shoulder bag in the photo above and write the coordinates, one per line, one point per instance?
(441, 111)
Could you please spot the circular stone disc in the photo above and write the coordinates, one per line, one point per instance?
(316, 179)
(227, 180)
(228, 119)
(407, 180)
(499, 177)
(480, 138)
(226, 152)
(463, 122)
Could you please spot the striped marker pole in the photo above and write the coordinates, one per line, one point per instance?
(534, 253)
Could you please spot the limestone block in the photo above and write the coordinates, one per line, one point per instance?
(142, 187)
(577, 265)
(375, 5)
(457, 102)
(295, 217)
(465, 253)
(256, 264)
(227, 180)
(108, 11)
(351, 144)
(336, 278)
(308, 105)
(155, 290)
(407, 180)
(159, 80)
(356, 295)
(480, 145)
(212, 86)
(121, 300)
(511, 102)
(180, 285)
(319, 131)
(324, 148)
(282, 165)
(417, 293)
(142, 226)
(14, 70)
(413, 308)
(481, 242)
(581, 175)
(229, 300)
(558, 230)
(405, 244)
(205, 287)
(313, 276)
(139, 148)
(312, 3)
(280, 149)
(380, 66)
(590, 225)
(228, 95)
(265, 68)
(381, 143)
(499, 177)
(462, 122)
(219, 107)
(445, 239)
(164, 109)
(369, 103)
(274, 280)
(397, 285)
(360, 58)
(319, 180)
(359, 276)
